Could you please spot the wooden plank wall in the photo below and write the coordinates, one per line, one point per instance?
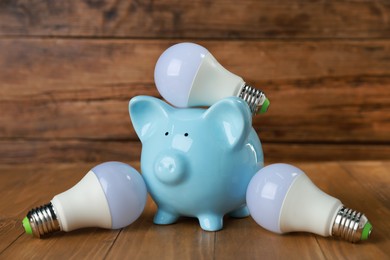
(69, 68)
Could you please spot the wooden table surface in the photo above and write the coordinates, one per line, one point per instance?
(363, 186)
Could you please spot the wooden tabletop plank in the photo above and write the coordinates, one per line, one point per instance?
(201, 19)
(12, 203)
(86, 243)
(32, 186)
(24, 187)
(360, 185)
(373, 176)
(245, 239)
(343, 184)
(145, 240)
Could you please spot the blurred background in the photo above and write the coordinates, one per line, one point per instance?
(69, 68)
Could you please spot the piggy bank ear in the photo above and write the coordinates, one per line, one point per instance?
(147, 114)
(230, 119)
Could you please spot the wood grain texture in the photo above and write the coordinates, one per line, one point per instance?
(33, 151)
(243, 239)
(220, 19)
(183, 240)
(359, 185)
(76, 91)
(69, 68)
(36, 151)
(345, 181)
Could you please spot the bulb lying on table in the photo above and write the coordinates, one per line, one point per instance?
(281, 198)
(112, 195)
(187, 75)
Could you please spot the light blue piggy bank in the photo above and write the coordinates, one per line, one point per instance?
(197, 162)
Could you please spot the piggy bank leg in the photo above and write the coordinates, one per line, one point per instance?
(240, 212)
(164, 217)
(211, 222)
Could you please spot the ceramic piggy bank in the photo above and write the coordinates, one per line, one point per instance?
(197, 162)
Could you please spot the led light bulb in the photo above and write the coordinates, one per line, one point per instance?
(281, 198)
(112, 195)
(187, 75)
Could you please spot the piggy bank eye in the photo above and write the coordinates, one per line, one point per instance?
(166, 133)
(186, 134)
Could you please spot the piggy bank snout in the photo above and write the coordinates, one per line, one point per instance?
(170, 168)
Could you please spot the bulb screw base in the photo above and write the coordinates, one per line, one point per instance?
(351, 225)
(256, 99)
(41, 221)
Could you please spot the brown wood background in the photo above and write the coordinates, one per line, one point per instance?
(69, 68)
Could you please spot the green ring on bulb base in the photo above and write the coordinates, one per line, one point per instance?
(27, 226)
(366, 231)
(264, 106)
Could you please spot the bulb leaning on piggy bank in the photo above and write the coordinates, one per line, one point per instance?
(188, 75)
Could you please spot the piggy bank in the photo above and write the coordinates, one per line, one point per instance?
(197, 162)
